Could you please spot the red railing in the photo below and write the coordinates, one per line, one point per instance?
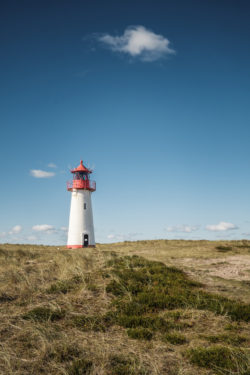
(81, 184)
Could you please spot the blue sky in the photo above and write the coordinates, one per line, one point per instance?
(153, 95)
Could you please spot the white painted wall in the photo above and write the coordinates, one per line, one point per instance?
(80, 219)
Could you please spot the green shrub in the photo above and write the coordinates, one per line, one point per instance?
(218, 358)
(175, 338)
(140, 333)
(42, 314)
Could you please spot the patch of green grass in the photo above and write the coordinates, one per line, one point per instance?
(125, 365)
(224, 249)
(174, 338)
(80, 367)
(229, 339)
(219, 358)
(65, 286)
(155, 323)
(92, 323)
(140, 333)
(43, 314)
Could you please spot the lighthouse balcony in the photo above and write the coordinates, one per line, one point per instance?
(81, 184)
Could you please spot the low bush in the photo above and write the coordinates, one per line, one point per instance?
(140, 333)
(174, 338)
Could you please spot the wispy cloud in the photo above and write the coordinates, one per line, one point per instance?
(44, 228)
(122, 237)
(64, 229)
(222, 226)
(37, 173)
(15, 230)
(52, 165)
(138, 42)
(31, 238)
(182, 228)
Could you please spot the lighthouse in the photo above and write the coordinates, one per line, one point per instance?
(81, 227)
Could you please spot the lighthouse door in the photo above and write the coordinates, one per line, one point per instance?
(86, 240)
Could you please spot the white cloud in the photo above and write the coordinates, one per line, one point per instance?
(222, 226)
(52, 165)
(37, 173)
(3, 234)
(137, 41)
(43, 228)
(183, 228)
(16, 229)
(110, 236)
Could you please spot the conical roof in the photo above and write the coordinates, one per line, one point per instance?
(81, 168)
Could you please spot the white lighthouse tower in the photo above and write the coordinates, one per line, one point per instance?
(81, 227)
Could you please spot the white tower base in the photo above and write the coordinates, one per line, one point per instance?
(81, 227)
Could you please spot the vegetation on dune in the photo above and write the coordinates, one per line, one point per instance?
(100, 312)
(221, 359)
(145, 287)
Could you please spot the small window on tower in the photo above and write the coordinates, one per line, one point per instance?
(85, 206)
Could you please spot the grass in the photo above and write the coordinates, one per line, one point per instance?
(43, 314)
(153, 286)
(134, 308)
(140, 333)
(221, 359)
(175, 338)
(65, 286)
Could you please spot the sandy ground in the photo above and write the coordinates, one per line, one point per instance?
(231, 267)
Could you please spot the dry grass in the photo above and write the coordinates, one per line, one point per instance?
(53, 302)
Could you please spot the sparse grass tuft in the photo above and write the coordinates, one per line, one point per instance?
(175, 338)
(228, 339)
(80, 367)
(91, 323)
(125, 365)
(140, 333)
(43, 314)
(65, 286)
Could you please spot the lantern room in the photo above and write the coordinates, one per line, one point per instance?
(81, 179)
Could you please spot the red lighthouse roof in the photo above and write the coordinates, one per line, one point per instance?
(81, 168)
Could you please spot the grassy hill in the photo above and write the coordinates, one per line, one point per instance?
(131, 308)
